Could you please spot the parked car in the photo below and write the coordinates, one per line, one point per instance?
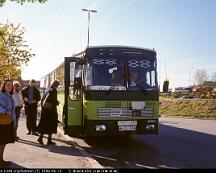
(183, 90)
(189, 97)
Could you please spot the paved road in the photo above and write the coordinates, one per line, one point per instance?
(182, 143)
(28, 153)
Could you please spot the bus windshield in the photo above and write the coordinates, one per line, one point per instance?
(142, 74)
(121, 73)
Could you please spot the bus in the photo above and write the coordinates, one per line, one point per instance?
(108, 90)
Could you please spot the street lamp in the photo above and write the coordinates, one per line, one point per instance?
(89, 11)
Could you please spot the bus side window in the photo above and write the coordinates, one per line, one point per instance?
(77, 88)
(88, 75)
(76, 83)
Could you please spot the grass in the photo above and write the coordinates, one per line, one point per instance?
(202, 108)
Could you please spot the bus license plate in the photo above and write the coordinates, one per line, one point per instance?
(127, 128)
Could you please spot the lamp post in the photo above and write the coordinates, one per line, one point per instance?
(89, 11)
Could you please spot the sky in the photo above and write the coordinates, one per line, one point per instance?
(181, 31)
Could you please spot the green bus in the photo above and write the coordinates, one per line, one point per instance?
(108, 90)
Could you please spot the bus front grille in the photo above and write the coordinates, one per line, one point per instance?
(116, 112)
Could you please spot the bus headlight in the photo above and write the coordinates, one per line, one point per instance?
(150, 127)
(100, 128)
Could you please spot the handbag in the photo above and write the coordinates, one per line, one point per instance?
(5, 119)
(46, 104)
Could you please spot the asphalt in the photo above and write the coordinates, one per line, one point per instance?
(28, 153)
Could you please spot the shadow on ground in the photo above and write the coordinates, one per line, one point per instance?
(172, 148)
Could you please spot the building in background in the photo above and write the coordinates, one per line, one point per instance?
(24, 83)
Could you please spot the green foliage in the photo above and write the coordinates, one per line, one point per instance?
(14, 52)
(2, 2)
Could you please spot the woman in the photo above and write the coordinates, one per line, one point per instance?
(7, 106)
(49, 116)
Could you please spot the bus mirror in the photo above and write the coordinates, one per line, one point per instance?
(112, 69)
(77, 83)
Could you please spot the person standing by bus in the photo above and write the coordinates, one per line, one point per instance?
(7, 106)
(31, 97)
(49, 116)
(17, 97)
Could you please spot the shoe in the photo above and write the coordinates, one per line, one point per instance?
(28, 133)
(51, 143)
(40, 140)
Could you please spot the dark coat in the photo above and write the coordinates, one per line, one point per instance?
(36, 96)
(49, 116)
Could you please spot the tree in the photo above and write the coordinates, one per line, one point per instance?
(200, 76)
(2, 2)
(213, 77)
(14, 52)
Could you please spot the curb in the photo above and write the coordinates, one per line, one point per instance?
(93, 163)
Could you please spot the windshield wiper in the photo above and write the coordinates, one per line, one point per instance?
(114, 85)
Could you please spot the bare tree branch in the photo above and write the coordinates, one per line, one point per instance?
(200, 76)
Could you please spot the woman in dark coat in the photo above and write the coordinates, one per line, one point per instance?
(49, 116)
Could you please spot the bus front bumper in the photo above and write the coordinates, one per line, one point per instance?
(118, 127)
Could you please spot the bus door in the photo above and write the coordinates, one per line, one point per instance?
(73, 97)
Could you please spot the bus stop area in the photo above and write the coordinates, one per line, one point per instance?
(27, 153)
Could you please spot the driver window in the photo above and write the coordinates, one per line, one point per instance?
(148, 78)
(88, 75)
(153, 78)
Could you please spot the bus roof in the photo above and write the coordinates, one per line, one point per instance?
(80, 52)
(119, 47)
